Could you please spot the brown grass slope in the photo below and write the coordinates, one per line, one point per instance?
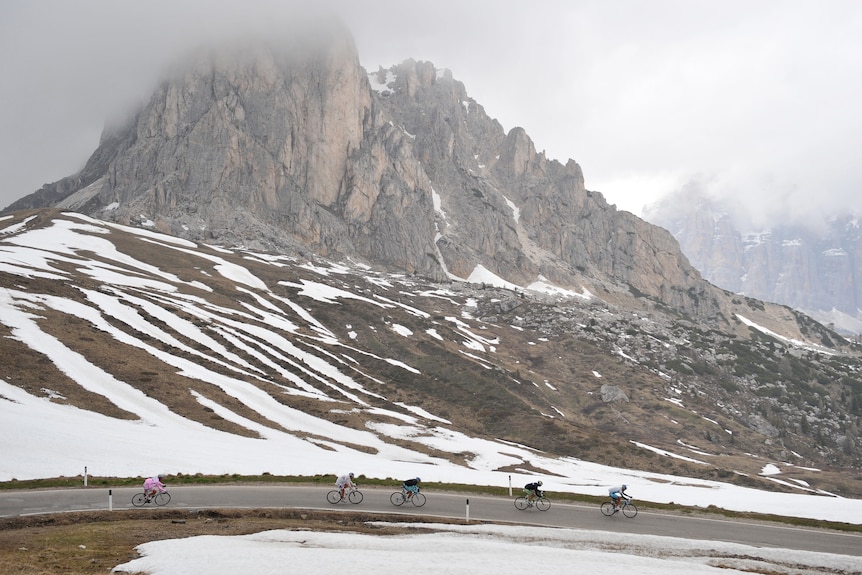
(536, 381)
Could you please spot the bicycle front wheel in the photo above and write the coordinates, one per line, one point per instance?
(333, 496)
(418, 499)
(355, 497)
(630, 510)
(521, 503)
(163, 498)
(139, 499)
(543, 504)
(396, 498)
(607, 508)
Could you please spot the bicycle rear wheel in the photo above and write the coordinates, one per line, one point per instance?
(630, 510)
(543, 504)
(139, 499)
(418, 499)
(396, 498)
(521, 503)
(162, 498)
(355, 497)
(333, 496)
(607, 508)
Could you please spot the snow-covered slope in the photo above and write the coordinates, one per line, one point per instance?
(113, 363)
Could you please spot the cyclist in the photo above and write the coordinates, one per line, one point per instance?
(345, 482)
(411, 486)
(152, 485)
(532, 492)
(617, 495)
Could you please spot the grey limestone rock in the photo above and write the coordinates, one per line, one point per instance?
(291, 145)
(612, 393)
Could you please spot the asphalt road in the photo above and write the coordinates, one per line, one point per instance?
(496, 509)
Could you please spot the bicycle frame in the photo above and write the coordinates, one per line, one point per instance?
(351, 494)
(628, 508)
(404, 495)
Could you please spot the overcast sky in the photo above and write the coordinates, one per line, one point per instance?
(760, 101)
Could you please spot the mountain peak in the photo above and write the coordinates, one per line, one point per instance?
(293, 146)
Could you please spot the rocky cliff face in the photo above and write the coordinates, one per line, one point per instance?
(277, 146)
(511, 209)
(294, 146)
(815, 268)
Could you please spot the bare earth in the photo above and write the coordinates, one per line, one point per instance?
(95, 542)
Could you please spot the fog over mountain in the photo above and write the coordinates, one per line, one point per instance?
(758, 101)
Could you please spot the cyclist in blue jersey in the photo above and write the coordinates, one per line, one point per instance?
(411, 486)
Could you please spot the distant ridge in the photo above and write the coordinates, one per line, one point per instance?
(814, 267)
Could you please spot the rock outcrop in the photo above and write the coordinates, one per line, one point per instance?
(292, 145)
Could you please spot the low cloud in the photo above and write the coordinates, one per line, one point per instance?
(759, 102)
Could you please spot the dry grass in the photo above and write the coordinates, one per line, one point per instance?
(514, 394)
(83, 543)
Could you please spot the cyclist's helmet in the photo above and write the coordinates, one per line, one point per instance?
(625, 487)
(351, 475)
(418, 480)
(540, 483)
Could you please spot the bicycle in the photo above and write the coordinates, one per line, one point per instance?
(160, 498)
(352, 495)
(399, 497)
(540, 503)
(629, 509)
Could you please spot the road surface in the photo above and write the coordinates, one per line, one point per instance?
(442, 505)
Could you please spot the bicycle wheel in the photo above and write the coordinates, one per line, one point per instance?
(333, 496)
(163, 498)
(543, 504)
(521, 503)
(418, 499)
(139, 499)
(608, 508)
(630, 510)
(396, 498)
(355, 497)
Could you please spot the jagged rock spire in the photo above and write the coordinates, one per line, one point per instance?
(287, 145)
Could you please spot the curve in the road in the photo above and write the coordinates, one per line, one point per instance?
(443, 505)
